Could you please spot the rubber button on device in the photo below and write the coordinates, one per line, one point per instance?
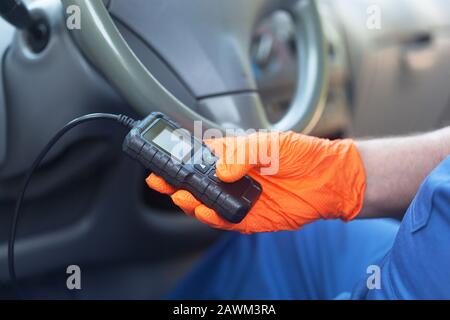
(199, 183)
(208, 157)
(172, 168)
(213, 176)
(202, 167)
(148, 151)
(213, 192)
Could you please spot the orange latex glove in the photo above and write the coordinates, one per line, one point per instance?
(317, 179)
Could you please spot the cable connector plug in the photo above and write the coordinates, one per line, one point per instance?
(126, 121)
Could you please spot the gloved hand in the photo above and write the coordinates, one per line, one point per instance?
(317, 179)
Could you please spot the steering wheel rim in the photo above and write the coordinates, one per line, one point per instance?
(102, 43)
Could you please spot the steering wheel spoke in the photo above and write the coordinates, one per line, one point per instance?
(243, 111)
(103, 44)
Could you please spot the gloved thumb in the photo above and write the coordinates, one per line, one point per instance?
(231, 165)
(231, 172)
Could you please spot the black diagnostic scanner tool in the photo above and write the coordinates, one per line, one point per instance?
(185, 162)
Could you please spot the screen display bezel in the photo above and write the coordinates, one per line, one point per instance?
(149, 134)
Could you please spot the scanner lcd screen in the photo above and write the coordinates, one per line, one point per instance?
(171, 142)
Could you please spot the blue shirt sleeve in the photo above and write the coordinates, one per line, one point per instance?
(418, 265)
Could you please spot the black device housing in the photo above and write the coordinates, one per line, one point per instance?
(232, 201)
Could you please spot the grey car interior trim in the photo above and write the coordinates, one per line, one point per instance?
(6, 32)
(158, 66)
(103, 44)
(3, 122)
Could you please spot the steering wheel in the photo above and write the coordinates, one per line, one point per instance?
(102, 43)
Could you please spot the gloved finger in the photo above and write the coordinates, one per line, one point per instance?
(231, 172)
(186, 201)
(237, 156)
(240, 154)
(227, 168)
(159, 184)
(217, 146)
(211, 218)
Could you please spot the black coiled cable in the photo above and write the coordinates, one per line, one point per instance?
(122, 119)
